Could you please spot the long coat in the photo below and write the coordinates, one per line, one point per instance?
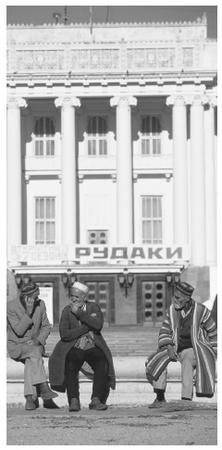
(204, 343)
(71, 328)
(21, 328)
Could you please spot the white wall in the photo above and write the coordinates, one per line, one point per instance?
(97, 207)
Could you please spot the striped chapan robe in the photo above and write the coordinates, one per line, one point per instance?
(204, 343)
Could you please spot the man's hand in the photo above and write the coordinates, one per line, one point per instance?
(172, 353)
(35, 341)
(29, 301)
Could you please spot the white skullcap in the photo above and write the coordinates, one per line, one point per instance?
(78, 287)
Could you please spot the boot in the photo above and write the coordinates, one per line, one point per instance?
(45, 391)
(74, 404)
(50, 404)
(97, 405)
(30, 403)
(36, 401)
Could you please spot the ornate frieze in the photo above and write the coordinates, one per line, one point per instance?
(148, 56)
(95, 59)
(39, 60)
(143, 57)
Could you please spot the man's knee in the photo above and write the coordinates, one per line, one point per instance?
(36, 351)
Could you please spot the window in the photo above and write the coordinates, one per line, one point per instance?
(151, 219)
(44, 131)
(187, 56)
(150, 136)
(97, 142)
(97, 237)
(45, 220)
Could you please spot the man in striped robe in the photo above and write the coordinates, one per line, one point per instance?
(188, 335)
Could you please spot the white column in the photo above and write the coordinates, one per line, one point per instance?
(197, 175)
(180, 176)
(14, 171)
(210, 184)
(124, 168)
(69, 176)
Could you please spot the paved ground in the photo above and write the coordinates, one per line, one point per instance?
(179, 423)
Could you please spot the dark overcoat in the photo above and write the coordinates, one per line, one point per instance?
(71, 327)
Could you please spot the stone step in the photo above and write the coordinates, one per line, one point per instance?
(128, 341)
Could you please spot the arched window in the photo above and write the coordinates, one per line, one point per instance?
(150, 135)
(44, 131)
(96, 130)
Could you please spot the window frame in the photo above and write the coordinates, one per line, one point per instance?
(44, 220)
(152, 219)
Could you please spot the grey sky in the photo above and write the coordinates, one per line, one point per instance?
(127, 13)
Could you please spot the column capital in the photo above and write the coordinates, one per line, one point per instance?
(16, 102)
(197, 99)
(176, 100)
(67, 102)
(213, 101)
(123, 100)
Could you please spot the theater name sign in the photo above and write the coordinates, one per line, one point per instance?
(57, 254)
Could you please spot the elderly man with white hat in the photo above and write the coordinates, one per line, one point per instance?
(188, 335)
(82, 348)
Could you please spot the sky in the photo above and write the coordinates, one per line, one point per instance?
(40, 14)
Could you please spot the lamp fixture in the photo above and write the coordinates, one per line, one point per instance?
(169, 277)
(125, 280)
(22, 279)
(68, 279)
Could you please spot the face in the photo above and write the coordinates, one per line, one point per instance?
(179, 300)
(78, 299)
(30, 300)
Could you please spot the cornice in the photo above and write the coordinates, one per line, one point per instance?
(200, 21)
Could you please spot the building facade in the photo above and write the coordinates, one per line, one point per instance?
(111, 160)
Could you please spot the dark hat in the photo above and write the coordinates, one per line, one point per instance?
(184, 288)
(29, 289)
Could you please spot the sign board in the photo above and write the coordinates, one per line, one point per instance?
(84, 254)
(46, 294)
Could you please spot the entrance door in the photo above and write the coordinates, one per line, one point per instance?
(151, 301)
(101, 291)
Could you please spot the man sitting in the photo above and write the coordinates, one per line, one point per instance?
(188, 335)
(81, 343)
(27, 330)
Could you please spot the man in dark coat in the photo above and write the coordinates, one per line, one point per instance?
(188, 335)
(82, 347)
(27, 330)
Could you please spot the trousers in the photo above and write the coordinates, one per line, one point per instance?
(34, 371)
(74, 361)
(188, 364)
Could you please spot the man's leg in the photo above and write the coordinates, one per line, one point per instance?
(97, 360)
(159, 387)
(188, 363)
(74, 362)
(34, 372)
(35, 380)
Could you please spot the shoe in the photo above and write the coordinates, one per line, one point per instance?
(30, 403)
(158, 403)
(185, 398)
(97, 405)
(74, 404)
(50, 404)
(36, 401)
(45, 391)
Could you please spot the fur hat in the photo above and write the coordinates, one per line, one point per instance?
(78, 289)
(184, 288)
(29, 289)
